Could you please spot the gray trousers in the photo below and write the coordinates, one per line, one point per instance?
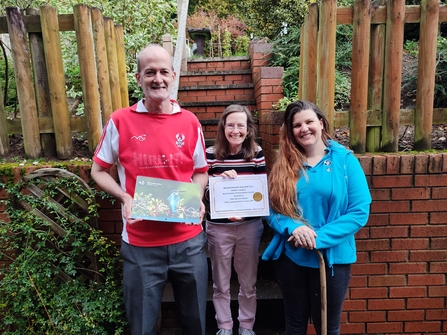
(146, 271)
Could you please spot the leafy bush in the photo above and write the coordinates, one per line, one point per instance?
(409, 80)
(241, 44)
(8, 84)
(51, 285)
(286, 53)
(226, 33)
(441, 73)
(268, 18)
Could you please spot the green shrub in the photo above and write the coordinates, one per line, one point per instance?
(47, 288)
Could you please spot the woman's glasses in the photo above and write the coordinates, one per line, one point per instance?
(231, 126)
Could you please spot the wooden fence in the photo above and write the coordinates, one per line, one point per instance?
(40, 77)
(376, 79)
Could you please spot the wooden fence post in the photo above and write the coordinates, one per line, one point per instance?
(122, 71)
(102, 65)
(112, 57)
(375, 80)
(326, 59)
(359, 75)
(393, 74)
(56, 81)
(89, 76)
(41, 87)
(308, 55)
(428, 36)
(24, 80)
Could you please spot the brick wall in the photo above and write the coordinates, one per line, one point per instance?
(399, 283)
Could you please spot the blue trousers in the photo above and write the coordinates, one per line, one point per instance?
(146, 271)
(300, 288)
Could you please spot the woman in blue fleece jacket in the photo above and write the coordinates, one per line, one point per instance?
(319, 199)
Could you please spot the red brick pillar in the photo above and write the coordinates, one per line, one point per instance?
(268, 90)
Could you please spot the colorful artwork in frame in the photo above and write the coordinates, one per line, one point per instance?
(166, 200)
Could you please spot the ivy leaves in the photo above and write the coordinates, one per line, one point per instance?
(61, 275)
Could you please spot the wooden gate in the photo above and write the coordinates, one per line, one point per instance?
(40, 77)
(375, 113)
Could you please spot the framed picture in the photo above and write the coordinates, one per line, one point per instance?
(166, 200)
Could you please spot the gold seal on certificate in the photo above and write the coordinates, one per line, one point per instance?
(243, 196)
(257, 196)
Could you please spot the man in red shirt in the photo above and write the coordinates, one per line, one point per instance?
(156, 138)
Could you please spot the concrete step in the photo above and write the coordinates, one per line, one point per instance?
(265, 290)
(269, 319)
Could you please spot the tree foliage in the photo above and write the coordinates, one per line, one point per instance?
(143, 22)
(270, 18)
(220, 7)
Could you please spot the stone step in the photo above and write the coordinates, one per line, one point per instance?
(265, 290)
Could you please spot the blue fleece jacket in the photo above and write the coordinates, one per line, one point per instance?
(335, 200)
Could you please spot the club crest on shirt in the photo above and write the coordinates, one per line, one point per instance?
(180, 138)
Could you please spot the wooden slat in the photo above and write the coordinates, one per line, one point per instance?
(359, 76)
(77, 124)
(122, 66)
(24, 82)
(89, 77)
(375, 79)
(308, 56)
(37, 192)
(102, 65)
(378, 14)
(326, 58)
(428, 38)
(56, 172)
(344, 16)
(32, 23)
(56, 82)
(393, 75)
(41, 86)
(443, 13)
(112, 57)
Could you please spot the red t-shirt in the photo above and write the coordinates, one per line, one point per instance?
(167, 146)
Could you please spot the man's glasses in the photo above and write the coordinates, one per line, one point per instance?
(231, 126)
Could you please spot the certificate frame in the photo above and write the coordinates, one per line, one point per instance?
(158, 199)
(243, 196)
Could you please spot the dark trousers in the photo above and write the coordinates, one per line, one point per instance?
(300, 287)
(145, 274)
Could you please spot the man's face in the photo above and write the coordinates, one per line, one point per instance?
(156, 76)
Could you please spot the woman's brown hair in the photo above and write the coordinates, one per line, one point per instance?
(289, 162)
(249, 146)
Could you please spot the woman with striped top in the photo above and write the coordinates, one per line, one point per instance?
(234, 153)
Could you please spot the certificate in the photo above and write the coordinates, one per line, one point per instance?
(244, 196)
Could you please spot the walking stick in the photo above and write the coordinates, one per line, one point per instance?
(323, 293)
